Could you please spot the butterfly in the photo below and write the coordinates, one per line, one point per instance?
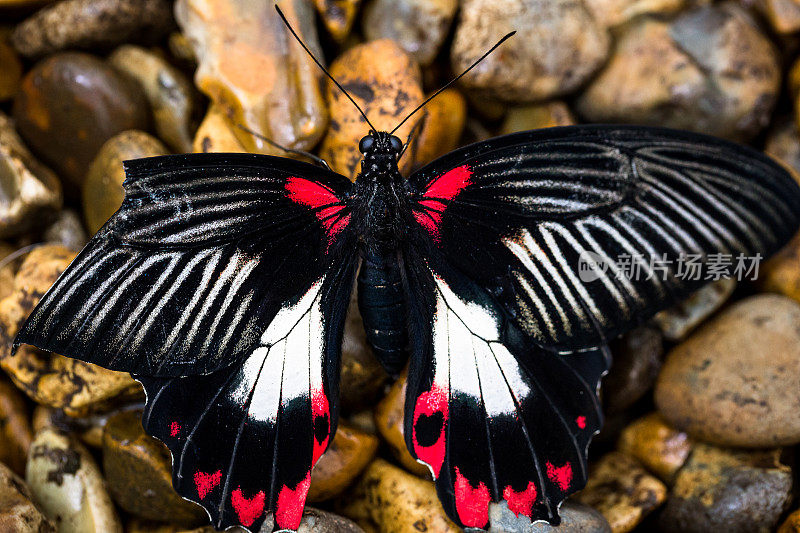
(223, 281)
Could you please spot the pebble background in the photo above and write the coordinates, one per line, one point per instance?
(702, 403)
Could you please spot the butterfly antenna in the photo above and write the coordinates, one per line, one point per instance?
(272, 143)
(451, 82)
(294, 33)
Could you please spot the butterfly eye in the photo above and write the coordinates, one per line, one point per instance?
(365, 144)
(397, 144)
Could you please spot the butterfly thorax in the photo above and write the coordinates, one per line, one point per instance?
(379, 198)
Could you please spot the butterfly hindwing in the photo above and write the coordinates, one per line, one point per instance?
(191, 270)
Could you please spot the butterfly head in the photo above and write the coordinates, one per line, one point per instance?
(381, 151)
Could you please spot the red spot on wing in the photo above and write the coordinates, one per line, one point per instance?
(472, 504)
(439, 191)
(429, 403)
(320, 408)
(321, 198)
(581, 421)
(205, 483)
(174, 429)
(248, 509)
(289, 509)
(520, 502)
(560, 475)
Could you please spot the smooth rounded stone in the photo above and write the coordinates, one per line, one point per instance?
(10, 70)
(612, 13)
(781, 273)
(168, 91)
(637, 358)
(575, 518)
(48, 378)
(181, 50)
(102, 190)
(215, 134)
(18, 512)
(30, 194)
(313, 521)
(622, 491)
(338, 16)
(362, 378)
(68, 485)
(349, 453)
(661, 448)
(389, 421)
(67, 230)
(557, 48)
(531, 117)
(445, 118)
(139, 473)
(679, 320)
(783, 144)
(386, 83)
(418, 26)
(15, 428)
(69, 105)
(734, 382)
(91, 24)
(7, 271)
(394, 501)
(791, 524)
(710, 70)
(727, 490)
(783, 15)
(251, 67)
(89, 428)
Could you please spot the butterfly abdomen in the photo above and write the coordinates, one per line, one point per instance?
(381, 300)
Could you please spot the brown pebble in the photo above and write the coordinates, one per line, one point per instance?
(133, 460)
(531, 117)
(349, 453)
(622, 491)
(661, 448)
(612, 13)
(782, 15)
(445, 118)
(10, 70)
(69, 105)
(734, 381)
(15, 428)
(18, 513)
(791, 524)
(215, 134)
(386, 83)
(362, 378)
(637, 358)
(781, 273)
(783, 144)
(338, 16)
(679, 320)
(91, 24)
(102, 191)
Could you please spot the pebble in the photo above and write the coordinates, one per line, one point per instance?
(678, 321)
(637, 358)
(418, 26)
(81, 102)
(662, 449)
(30, 194)
(338, 16)
(7, 271)
(48, 378)
(622, 491)
(362, 378)
(575, 518)
(726, 490)
(557, 48)
(18, 513)
(389, 421)
(781, 273)
(102, 191)
(791, 524)
(10, 70)
(394, 501)
(734, 382)
(138, 470)
(15, 428)
(532, 117)
(783, 15)
(68, 485)
(90, 24)
(215, 134)
(349, 453)
(783, 144)
(168, 91)
(711, 70)
(67, 230)
(250, 66)
(443, 126)
(611, 13)
(386, 83)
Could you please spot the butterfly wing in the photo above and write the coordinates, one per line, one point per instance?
(187, 275)
(501, 400)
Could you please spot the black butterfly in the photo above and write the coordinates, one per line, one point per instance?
(223, 281)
